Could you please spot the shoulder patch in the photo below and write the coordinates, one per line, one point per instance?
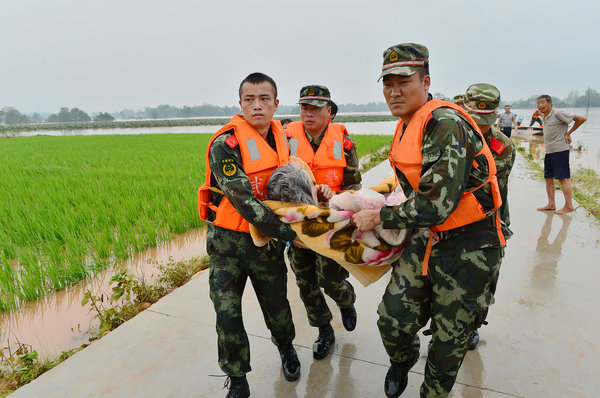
(229, 167)
(232, 141)
(497, 146)
(348, 144)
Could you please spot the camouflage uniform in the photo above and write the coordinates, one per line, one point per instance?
(482, 102)
(234, 258)
(314, 271)
(458, 283)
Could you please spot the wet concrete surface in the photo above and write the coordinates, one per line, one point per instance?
(541, 340)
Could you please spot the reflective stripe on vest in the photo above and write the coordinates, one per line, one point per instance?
(258, 160)
(329, 162)
(406, 156)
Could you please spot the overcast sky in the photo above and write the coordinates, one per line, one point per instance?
(106, 55)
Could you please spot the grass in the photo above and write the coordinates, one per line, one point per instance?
(75, 204)
(72, 205)
(129, 297)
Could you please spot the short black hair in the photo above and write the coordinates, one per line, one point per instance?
(546, 97)
(423, 70)
(257, 78)
(286, 120)
(334, 109)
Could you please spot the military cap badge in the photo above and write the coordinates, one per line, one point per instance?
(393, 56)
(481, 105)
(311, 92)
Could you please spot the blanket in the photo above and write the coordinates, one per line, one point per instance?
(329, 232)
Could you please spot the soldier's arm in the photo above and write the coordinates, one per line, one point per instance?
(445, 170)
(226, 166)
(352, 178)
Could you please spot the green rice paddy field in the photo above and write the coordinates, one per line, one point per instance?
(75, 204)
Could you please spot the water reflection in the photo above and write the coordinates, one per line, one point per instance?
(343, 381)
(59, 322)
(548, 253)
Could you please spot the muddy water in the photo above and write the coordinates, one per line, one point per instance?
(58, 323)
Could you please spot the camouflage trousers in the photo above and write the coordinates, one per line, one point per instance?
(314, 272)
(228, 272)
(454, 295)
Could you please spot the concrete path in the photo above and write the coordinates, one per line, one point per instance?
(541, 341)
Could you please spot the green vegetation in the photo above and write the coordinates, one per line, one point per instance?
(72, 205)
(366, 144)
(129, 297)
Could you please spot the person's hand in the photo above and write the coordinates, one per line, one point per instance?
(366, 220)
(324, 193)
(298, 243)
(568, 138)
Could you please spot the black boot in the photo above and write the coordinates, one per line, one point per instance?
(396, 378)
(324, 341)
(349, 317)
(238, 387)
(474, 340)
(290, 363)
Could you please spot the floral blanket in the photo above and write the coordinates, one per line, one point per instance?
(327, 231)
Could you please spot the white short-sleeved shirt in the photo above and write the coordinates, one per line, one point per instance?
(556, 125)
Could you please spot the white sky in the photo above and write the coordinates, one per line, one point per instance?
(106, 55)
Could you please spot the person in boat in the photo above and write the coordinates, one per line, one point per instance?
(536, 117)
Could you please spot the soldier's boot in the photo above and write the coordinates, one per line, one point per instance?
(396, 378)
(474, 340)
(323, 344)
(349, 317)
(238, 387)
(290, 363)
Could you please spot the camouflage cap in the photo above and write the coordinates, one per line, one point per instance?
(459, 98)
(481, 101)
(404, 59)
(314, 95)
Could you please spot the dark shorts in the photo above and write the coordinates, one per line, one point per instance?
(506, 131)
(556, 165)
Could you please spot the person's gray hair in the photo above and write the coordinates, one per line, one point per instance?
(289, 183)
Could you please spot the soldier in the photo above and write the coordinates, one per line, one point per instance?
(481, 103)
(446, 169)
(459, 99)
(331, 154)
(240, 159)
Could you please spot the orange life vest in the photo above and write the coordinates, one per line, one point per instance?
(258, 159)
(329, 162)
(406, 156)
(537, 114)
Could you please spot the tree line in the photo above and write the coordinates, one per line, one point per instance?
(10, 115)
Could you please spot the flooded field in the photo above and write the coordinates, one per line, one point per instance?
(59, 322)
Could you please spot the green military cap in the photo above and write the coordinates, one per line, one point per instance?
(481, 101)
(404, 59)
(459, 98)
(314, 95)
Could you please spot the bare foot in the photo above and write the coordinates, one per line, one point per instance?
(547, 208)
(565, 210)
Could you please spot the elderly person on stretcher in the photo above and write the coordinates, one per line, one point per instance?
(326, 227)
